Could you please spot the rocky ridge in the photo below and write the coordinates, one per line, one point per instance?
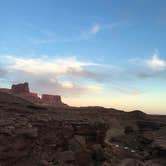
(23, 91)
(37, 135)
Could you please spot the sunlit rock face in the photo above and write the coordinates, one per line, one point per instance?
(51, 99)
(54, 100)
(23, 91)
(20, 88)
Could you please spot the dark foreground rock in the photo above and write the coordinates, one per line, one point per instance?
(36, 135)
(51, 142)
(32, 137)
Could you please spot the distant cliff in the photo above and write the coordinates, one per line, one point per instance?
(23, 91)
(20, 88)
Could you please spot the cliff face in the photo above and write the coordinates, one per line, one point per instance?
(51, 99)
(20, 88)
(24, 91)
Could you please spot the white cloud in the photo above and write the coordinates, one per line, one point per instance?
(86, 34)
(90, 87)
(51, 65)
(148, 68)
(54, 75)
(156, 62)
(91, 32)
(67, 84)
(95, 29)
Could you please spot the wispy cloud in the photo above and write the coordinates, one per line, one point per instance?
(91, 32)
(58, 66)
(85, 34)
(128, 90)
(156, 62)
(148, 68)
(94, 30)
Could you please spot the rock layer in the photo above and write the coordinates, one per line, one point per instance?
(20, 88)
(32, 138)
(51, 99)
(23, 91)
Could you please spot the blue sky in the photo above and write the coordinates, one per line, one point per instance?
(92, 52)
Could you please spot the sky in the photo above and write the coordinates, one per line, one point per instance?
(107, 53)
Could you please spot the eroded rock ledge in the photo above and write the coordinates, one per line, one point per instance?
(48, 142)
(23, 91)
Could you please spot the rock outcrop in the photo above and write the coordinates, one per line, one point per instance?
(33, 97)
(20, 88)
(33, 134)
(51, 99)
(23, 91)
(41, 137)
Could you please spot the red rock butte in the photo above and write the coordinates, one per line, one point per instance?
(51, 99)
(20, 88)
(23, 91)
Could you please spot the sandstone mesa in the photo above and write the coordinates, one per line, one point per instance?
(23, 90)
